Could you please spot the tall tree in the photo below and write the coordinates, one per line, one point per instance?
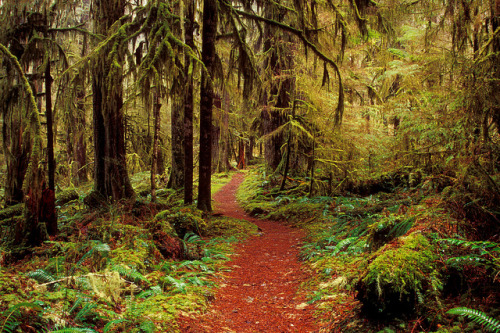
(111, 179)
(210, 20)
(188, 103)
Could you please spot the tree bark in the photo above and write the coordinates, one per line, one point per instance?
(48, 213)
(188, 107)
(277, 100)
(154, 160)
(209, 32)
(176, 180)
(111, 179)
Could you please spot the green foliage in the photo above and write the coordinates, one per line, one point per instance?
(387, 228)
(98, 254)
(109, 326)
(398, 277)
(485, 253)
(75, 330)
(13, 314)
(477, 316)
(42, 276)
(130, 273)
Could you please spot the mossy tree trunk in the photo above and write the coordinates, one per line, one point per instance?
(154, 160)
(188, 104)
(176, 180)
(29, 231)
(111, 179)
(48, 213)
(277, 100)
(210, 18)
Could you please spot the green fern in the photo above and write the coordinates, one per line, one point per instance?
(179, 285)
(14, 313)
(488, 253)
(108, 326)
(479, 317)
(86, 311)
(131, 274)
(42, 276)
(470, 259)
(343, 243)
(154, 291)
(75, 330)
(483, 246)
(147, 327)
(77, 303)
(102, 249)
(401, 228)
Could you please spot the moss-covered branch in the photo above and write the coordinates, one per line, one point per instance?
(302, 36)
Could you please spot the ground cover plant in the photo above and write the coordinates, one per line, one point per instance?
(129, 268)
(395, 261)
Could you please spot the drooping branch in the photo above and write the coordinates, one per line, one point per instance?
(302, 36)
(34, 115)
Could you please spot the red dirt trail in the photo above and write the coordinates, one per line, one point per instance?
(259, 294)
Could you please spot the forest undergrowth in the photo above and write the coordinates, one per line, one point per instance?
(415, 257)
(132, 267)
(419, 256)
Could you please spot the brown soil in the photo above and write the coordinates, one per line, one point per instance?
(260, 293)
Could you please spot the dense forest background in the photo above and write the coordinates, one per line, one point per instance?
(330, 98)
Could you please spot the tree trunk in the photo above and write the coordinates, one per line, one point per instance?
(16, 150)
(81, 145)
(111, 179)
(154, 160)
(206, 102)
(48, 213)
(287, 160)
(188, 107)
(176, 180)
(241, 154)
(279, 62)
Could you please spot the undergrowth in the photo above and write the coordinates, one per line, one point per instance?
(399, 258)
(132, 267)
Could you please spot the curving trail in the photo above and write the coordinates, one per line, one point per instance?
(260, 292)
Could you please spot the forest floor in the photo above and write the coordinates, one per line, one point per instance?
(261, 293)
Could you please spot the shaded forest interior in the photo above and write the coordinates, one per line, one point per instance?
(372, 125)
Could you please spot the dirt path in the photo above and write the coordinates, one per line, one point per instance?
(260, 292)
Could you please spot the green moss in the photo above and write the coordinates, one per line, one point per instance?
(227, 227)
(219, 180)
(163, 309)
(399, 276)
(184, 220)
(134, 254)
(296, 211)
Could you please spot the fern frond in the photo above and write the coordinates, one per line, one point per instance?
(13, 314)
(86, 311)
(130, 274)
(75, 330)
(477, 316)
(102, 248)
(77, 303)
(476, 245)
(402, 227)
(343, 243)
(470, 259)
(147, 327)
(154, 291)
(41, 276)
(108, 326)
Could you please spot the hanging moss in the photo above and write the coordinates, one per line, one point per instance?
(399, 277)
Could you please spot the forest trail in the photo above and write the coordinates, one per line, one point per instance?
(259, 294)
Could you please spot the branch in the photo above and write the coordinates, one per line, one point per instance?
(301, 35)
(75, 28)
